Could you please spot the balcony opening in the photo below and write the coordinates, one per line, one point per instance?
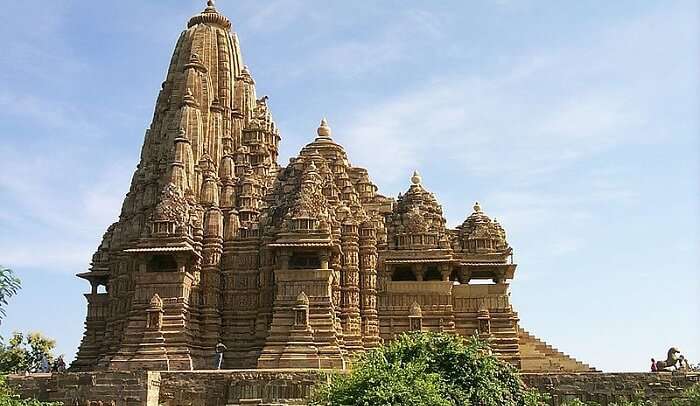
(403, 273)
(432, 274)
(162, 263)
(305, 261)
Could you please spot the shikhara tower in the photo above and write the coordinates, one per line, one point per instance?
(297, 266)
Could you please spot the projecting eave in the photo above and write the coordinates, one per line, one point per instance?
(303, 244)
(486, 270)
(417, 261)
(186, 249)
(94, 275)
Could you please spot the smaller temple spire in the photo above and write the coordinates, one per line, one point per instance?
(324, 130)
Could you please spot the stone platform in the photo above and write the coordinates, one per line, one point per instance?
(293, 386)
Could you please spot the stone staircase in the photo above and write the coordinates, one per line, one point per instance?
(538, 356)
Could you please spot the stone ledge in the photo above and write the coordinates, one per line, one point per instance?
(292, 386)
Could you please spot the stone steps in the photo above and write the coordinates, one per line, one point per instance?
(538, 356)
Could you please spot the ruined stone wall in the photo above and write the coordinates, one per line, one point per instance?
(292, 387)
(605, 388)
(91, 388)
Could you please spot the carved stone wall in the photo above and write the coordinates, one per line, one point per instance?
(244, 387)
(91, 388)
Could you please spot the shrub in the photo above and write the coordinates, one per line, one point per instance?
(428, 369)
(25, 353)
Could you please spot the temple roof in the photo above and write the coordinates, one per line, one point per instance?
(210, 16)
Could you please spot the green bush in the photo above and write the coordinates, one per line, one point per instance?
(689, 397)
(428, 369)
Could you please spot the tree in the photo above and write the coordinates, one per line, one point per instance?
(429, 369)
(9, 286)
(25, 353)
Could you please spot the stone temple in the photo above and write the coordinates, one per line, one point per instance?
(296, 266)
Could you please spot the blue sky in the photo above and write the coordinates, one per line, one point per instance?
(574, 123)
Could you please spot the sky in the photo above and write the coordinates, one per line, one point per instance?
(575, 124)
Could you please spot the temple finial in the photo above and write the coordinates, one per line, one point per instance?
(211, 7)
(416, 178)
(210, 16)
(477, 207)
(324, 130)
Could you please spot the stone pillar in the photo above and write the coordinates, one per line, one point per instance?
(210, 287)
(419, 270)
(350, 315)
(445, 272)
(368, 286)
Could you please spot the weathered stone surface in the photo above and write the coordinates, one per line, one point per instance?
(216, 242)
(605, 388)
(90, 388)
(293, 386)
(290, 387)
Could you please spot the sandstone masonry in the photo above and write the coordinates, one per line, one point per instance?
(292, 387)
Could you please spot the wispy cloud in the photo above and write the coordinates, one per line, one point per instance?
(51, 216)
(49, 114)
(385, 44)
(535, 118)
(276, 14)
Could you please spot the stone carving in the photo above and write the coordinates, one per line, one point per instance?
(155, 313)
(172, 209)
(415, 318)
(234, 243)
(674, 361)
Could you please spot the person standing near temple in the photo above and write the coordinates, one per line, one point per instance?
(219, 357)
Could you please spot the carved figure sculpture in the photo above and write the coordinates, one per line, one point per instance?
(671, 362)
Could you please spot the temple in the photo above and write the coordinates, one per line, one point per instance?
(296, 266)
